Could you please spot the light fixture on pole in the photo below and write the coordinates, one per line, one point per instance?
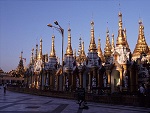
(61, 30)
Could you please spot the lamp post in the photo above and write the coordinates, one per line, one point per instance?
(61, 30)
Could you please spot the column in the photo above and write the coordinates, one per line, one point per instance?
(80, 80)
(98, 80)
(42, 79)
(136, 82)
(89, 84)
(120, 79)
(109, 78)
(64, 82)
(57, 83)
(131, 81)
(50, 78)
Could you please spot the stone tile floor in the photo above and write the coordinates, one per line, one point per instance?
(13, 102)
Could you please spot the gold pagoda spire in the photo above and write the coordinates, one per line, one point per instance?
(112, 43)
(120, 38)
(74, 55)
(79, 49)
(52, 53)
(46, 57)
(69, 48)
(141, 46)
(99, 51)
(125, 37)
(92, 46)
(82, 50)
(40, 52)
(107, 49)
(21, 55)
(36, 52)
(31, 60)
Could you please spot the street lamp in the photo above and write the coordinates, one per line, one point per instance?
(61, 30)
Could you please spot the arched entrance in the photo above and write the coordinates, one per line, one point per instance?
(115, 80)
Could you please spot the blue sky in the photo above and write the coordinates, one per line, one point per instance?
(23, 23)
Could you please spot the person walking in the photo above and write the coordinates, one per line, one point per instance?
(81, 98)
(4, 88)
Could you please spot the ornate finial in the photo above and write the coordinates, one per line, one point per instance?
(107, 31)
(107, 49)
(99, 50)
(120, 38)
(125, 37)
(92, 46)
(120, 20)
(74, 54)
(32, 50)
(79, 50)
(69, 48)
(82, 57)
(41, 40)
(140, 22)
(40, 52)
(52, 53)
(32, 60)
(36, 52)
(21, 55)
(82, 50)
(112, 43)
(92, 23)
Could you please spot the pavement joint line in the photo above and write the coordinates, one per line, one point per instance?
(120, 108)
(13, 103)
(48, 102)
(9, 105)
(60, 108)
(22, 100)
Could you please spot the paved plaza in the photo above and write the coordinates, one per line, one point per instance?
(13, 102)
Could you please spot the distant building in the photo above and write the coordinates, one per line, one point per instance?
(9, 78)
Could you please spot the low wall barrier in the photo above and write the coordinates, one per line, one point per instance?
(130, 100)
